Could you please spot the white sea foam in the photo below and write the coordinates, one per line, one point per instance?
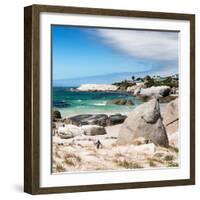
(100, 104)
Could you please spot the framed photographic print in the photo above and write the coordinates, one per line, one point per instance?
(109, 99)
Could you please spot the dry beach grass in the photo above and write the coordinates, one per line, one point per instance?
(80, 154)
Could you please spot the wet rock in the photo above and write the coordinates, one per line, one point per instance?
(88, 119)
(96, 119)
(116, 119)
(126, 102)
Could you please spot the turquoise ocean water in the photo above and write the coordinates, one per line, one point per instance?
(72, 102)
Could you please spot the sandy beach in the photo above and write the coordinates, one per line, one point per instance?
(113, 130)
(80, 153)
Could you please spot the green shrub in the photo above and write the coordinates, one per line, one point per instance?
(123, 85)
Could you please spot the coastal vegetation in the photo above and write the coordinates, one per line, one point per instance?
(123, 85)
(171, 81)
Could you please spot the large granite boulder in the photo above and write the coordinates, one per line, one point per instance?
(116, 119)
(143, 97)
(136, 91)
(88, 119)
(171, 117)
(96, 119)
(97, 87)
(69, 131)
(144, 121)
(131, 88)
(135, 88)
(155, 91)
(174, 139)
(125, 102)
(93, 130)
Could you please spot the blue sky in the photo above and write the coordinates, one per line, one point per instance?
(90, 53)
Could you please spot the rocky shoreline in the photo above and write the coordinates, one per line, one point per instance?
(145, 138)
(164, 93)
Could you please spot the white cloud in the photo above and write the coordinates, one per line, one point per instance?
(151, 45)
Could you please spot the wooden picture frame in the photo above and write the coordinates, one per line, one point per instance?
(32, 97)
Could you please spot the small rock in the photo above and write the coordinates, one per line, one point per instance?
(56, 115)
(93, 130)
(69, 131)
(126, 102)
